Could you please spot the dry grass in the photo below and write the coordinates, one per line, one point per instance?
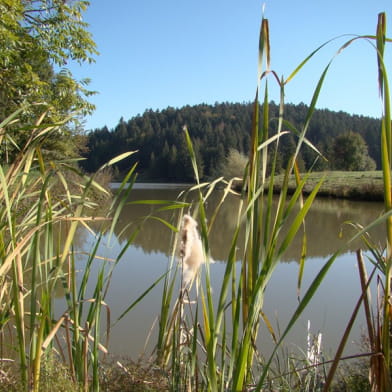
(121, 375)
(128, 376)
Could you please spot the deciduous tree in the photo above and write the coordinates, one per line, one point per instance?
(38, 38)
(350, 152)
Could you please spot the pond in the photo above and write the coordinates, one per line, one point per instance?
(150, 253)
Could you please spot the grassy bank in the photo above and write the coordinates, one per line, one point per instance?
(366, 185)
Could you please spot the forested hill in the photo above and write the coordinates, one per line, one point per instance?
(218, 130)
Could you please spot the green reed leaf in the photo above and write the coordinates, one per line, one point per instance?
(138, 299)
(163, 221)
(299, 219)
(118, 158)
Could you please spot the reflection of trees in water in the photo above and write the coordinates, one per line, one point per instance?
(154, 236)
(327, 229)
(323, 225)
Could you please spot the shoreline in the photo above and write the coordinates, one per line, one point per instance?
(364, 186)
(355, 185)
(361, 186)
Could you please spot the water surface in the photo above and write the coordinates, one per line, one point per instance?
(147, 259)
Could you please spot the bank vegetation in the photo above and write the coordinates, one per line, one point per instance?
(202, 344)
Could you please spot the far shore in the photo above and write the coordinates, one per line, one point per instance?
(354, 185)
(153, 185)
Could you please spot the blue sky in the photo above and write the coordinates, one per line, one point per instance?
(155, 54)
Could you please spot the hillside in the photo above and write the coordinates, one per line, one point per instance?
(216, 129)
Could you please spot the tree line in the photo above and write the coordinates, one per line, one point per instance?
(348, 142)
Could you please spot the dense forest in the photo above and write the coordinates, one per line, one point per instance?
(348, 142)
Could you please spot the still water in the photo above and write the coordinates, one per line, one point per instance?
(150, 253)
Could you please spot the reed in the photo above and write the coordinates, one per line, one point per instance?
(264, 245)
(221, 351)
(378, 319)
(42, 208)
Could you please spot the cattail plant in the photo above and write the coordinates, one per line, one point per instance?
(378, 325)
(230, 358)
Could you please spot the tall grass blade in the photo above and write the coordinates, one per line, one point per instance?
(343, 341)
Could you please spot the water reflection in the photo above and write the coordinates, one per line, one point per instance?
(325, 225)
(148, 257)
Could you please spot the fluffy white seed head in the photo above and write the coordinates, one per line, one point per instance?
(191, 250)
